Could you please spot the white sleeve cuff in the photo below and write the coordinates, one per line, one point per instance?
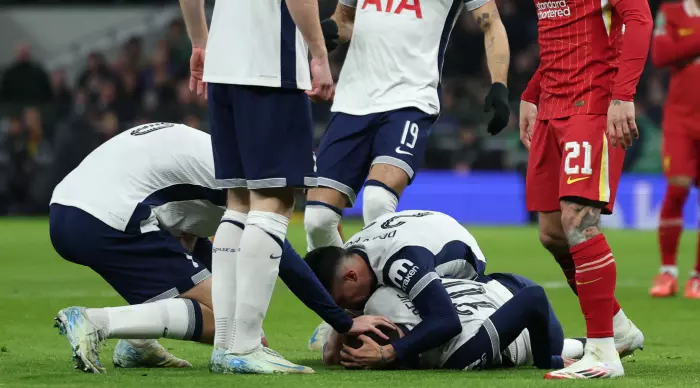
(349, 3)
(470, 5)
(421, 284)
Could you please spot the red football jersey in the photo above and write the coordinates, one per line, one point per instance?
(677, 45)
(581, 48)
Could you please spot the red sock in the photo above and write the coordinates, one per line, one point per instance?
(595, 282)
(671, 223)
(697, 258)
(566, 262)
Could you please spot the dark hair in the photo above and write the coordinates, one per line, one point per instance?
(393, 334)
(324, 263)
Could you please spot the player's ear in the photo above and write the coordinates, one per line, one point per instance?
(350, 276)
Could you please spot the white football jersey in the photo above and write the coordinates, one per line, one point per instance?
(154, 176)
(474, 302)
(396, 54)
(409, 249)
(255, 42)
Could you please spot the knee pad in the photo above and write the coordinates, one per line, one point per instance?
(378, 199)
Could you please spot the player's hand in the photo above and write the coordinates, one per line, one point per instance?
(622, 126)
(197, 72)
(369, 355)
(330, 33)
(497, 100)
(322, 87)
(370, 323)
(528, 116)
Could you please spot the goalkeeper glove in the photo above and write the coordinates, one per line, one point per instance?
(330, 33)
(497, 99)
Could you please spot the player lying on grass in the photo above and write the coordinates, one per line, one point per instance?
(138, 211)
(409, 251)
(506, 321)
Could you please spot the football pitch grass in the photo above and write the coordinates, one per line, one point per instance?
(35, 283)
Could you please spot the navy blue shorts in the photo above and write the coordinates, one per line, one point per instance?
(352, 144)
(514, 283)
(262, 137)
(141, 267)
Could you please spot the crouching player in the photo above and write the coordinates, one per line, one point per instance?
(409, 251)
(138, 211)
(506, 322)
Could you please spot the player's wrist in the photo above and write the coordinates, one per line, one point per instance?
(318, 50)
(622, 97)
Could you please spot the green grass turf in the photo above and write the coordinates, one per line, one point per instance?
(35, 283)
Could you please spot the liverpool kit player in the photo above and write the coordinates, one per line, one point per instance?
(577, 119)
(676, 45)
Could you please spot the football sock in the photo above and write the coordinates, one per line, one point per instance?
(595, 282)
(620, 322)
(696, 270)
(321, 222)
(170, 318)
(258, 265)
(223, 282)
(566, 262)
(378, 199)
(671, 224)
(573, 348)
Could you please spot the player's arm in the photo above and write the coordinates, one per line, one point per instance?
(305, 16)
(495, 38)
(195, 21)
(533, 90)
(302, 282)
(338, 28)
(636, 17)
(485, 12)
(670, 49)
(412, 271)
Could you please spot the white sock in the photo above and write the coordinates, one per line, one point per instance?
(169, 318)
(257, 269)
(606, 346)
(377, 201)
(223, 280)
(321, 224)
(669, 269)
(573, 348)
(621, 322)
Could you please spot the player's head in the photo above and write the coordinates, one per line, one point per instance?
(393, 334)
(346, 276)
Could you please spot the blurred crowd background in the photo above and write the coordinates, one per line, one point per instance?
(50, 121)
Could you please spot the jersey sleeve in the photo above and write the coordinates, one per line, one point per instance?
(410, 270)
(669, 49)
(471, 5)
(638, 23)
(349, 3)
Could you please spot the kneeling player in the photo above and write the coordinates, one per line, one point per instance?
(138, 211)
(506, 321)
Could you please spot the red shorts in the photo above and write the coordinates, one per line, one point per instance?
(572, 157)
(681, 155)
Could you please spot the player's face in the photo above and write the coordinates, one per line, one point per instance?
(353, 292)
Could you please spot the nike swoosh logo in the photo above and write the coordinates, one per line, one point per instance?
(275, 257)
(584, 283)
(574, 180)
(287, 366)
(402, 152)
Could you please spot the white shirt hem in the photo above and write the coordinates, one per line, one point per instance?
(256, 81)
(380, 108)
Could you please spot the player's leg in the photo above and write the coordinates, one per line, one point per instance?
(230, 175)
(143, 268)
(527, 310)
(553, 239)
(398, 150)
(692, 287)
(680, 170)
(590, 174)
(342, 164)
(275, 136)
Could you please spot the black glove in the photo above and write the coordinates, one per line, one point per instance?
(497, 99)
(330, 33)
